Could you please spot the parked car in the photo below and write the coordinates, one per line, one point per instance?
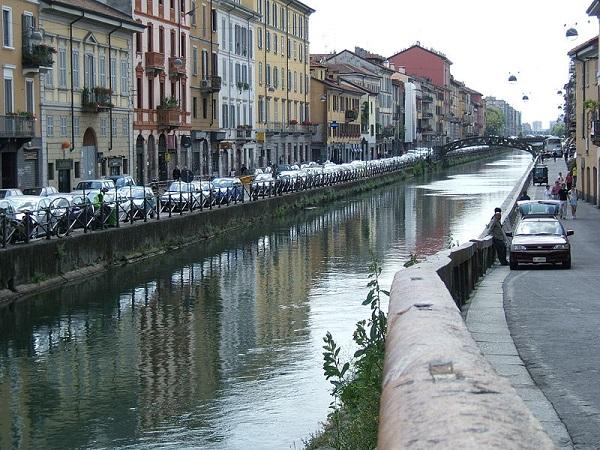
(540, 175)
(228, 189)
(91, 188)
(5, 193)
(136, 202)
(179, 196)
(42, 191)
(121, 180)
(540, 241)
(207, 191)
(539, 207)
(42, 213)
(262, 185)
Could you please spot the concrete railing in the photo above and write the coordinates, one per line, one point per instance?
(438, 389)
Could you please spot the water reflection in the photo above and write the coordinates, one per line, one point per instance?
(219, 345)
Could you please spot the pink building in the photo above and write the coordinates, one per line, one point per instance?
(421, 62)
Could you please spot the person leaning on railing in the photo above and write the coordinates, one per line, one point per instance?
(499, 239)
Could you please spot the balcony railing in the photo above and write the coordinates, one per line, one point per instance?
(37, 56)
(274, 128)
(351, 115)
(168, 117)
(176, 67)
(243, 134)
(155, 61)
(15, 126)
(96, 100)
(210, 84)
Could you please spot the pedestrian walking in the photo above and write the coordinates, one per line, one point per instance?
(524, 196)
(563, 196)
(560, 178)
(554, 156)
(499, 240)
(567, 159)
(555, 190)
(542, 156)
(574, 172)
(176, 173)
(573, 202)
(548, 193)
(569, 180)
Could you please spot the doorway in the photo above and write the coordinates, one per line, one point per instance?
(64, 180)
(139, 161)
(9, 169)
(89, 155)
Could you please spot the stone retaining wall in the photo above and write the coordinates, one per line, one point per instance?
(438, 390)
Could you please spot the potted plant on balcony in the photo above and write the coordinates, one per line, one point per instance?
(168, 103)
(39, 55)
(103, 97)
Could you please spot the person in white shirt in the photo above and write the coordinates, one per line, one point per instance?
(548, 193)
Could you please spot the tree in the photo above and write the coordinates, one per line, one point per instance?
(494, 122)
(558, 129)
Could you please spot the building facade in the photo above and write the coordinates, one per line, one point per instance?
(283, 122)
(86, 111)
(205, 85)
(24, 56)
(162, 119)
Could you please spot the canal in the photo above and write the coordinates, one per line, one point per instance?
(218, 345)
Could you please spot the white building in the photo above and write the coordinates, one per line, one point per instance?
(236, 105)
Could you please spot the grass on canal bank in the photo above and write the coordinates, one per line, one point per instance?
(356, 385)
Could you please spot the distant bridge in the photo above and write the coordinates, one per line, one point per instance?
(531, 144)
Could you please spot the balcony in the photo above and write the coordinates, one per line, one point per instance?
(176, 67)
(351, 115)
(96, 100)
(596, 132)
(427, 99)
(37, 57)
(274, 128)
(17, 126)
(168, 117)
(243, 134)
(155, 62)
(210, 84)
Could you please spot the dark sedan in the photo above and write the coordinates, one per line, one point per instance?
(540, 241)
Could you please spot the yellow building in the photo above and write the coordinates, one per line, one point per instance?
(23, 57)
(86, 108)
(335, 106)
(282, 81)
(586, 111)
(205, 85)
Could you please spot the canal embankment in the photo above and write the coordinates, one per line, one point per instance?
(44, 264)
(437, 385)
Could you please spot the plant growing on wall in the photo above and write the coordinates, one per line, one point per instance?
(168, 103)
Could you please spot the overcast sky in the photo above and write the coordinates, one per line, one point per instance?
(486, 40)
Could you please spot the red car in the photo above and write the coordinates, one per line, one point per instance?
(540, 241)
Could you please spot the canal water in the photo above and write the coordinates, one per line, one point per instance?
(218, 346)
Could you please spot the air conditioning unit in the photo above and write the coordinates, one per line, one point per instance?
(204, 83)
(271, 89)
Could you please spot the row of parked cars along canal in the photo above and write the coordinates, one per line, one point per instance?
(43, 213)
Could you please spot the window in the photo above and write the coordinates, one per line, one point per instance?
(268, 40)
(63, 126)
(295, 82)
(89, 74)
(124, 77)
(275, 43)
(76, 84)
(102, 71)
(62, 67)
(268, 75)
(50, 126)
(150, 93)
(274, 14)
(195, 61)
(114, 127)
(259, 38)
(193, 14)
(224, 113)
(50, 171)
(29, 100)
(138, 42)
(103, 127)
(49, 78)
(237, 39)
(215, 64)
(261, 114)
(8, 91)
(150, 37)
(204, 108)
(113, 73)
(214, 109)
(139, 89)
(232, 116)
(238, 71)
(7, 27)
(183, 46)
(275, 77)
(250, 43)
(77, 169)
(161, 40)
(194, 107)
(289, 80)
(301, 82)
(173, 42)
(214, 20)
(204, 64)
(76, 130)
(260, 74)
(224, 69)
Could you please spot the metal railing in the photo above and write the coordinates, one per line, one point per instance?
(94, 212)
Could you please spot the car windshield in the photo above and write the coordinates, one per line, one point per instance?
(539, 208)
(23, 205)
(32, 191)
(86, 185)
(134, 193)
(539, 228)
(180, 187)
(222, 183)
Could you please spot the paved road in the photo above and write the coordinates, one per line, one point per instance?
(554, 318)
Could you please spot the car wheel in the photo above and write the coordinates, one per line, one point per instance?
(567, 264)
(513, 266)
